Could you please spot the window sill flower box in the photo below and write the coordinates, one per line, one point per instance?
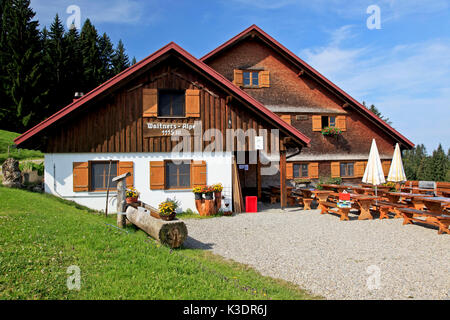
(331, 131)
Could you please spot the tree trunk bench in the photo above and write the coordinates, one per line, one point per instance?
(431, 218)
(170, 233)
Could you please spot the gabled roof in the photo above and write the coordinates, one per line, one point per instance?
(255, 30)
(171, 47)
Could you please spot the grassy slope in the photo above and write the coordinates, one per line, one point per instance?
(6, 139)
(40, 236)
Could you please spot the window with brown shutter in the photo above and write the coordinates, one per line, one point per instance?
(335, 170)
(150, 102)
(264, 79)
(313, 170)
(359, 169)
(167, 174)
(286, 118)
(97, 175)
(289, 170)
(341, 123)
(386, 164)
(124, 167)
(317, 123)
(193, 103)
(157, 175)
(198, 173)
(80, 176)
(238, 78)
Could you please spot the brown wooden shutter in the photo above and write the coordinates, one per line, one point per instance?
(192, 103)
(286, 118)
(238, 78)
(157, 175)
(80, 176)
(264, 79)
(317, 123)
(335, 170)
(124, 167)
(150, 102)
(289, 170)
(359, 169)
(198, 173)
(341, 123)
(386, 166)
(313, 170)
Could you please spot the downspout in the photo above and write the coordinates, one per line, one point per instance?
(294, 154)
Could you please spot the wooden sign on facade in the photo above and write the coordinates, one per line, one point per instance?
(167, 129)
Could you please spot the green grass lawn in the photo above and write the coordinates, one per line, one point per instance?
(7, 139)
(41, 236)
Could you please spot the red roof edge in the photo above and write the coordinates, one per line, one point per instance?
(313, 71)
(136, 67)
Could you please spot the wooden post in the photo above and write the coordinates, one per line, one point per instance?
(121, 198)
(258, 176)
(283, 190)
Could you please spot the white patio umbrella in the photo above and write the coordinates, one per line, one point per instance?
(396, 172)
(374, 171)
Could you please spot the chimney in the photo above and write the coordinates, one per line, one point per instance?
(77, 96)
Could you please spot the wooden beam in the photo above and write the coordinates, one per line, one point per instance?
(300, 73)
(346, 105)
(283, 190)
(258, 176)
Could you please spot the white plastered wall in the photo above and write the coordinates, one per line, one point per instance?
(59, 180)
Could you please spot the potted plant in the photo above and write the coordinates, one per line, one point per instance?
(167, 209)
(131, 195)
(218, 187)
(208, 191)
(198, 192)
(331, 131)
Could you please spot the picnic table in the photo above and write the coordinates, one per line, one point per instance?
(442, 221)
(364, 203)
(418, 190)
(307, 197)
(380, 188)
(435, 204)
(363, 190)
(336, 187)
(418, 204)
(322, 195)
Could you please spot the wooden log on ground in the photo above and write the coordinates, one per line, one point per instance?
(170, 233)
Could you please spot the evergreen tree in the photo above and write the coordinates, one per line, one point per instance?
(74, 64)
(120, 59)
(133, 62)
(106, 58)
(23, 54)
(5, 103)
(90, 52)
(439, 164)
(57, 68)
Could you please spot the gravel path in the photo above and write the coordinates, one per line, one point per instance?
(331, 258)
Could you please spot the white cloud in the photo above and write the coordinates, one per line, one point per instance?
(408, 83)
(99, 11)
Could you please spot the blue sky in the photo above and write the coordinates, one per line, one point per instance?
(403, 68)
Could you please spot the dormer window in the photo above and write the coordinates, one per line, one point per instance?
(251, 78)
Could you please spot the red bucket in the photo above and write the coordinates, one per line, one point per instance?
(251, 204)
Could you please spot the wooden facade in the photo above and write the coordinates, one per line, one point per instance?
(116, 122)
(305, 99)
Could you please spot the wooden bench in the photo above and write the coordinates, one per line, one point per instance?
(431, 218)
(328, 207)
(385, 207)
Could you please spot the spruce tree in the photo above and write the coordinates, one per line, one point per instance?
(74, 64)
(120, 59)
(90, 52)
(106, 58)
(133, 62)
(23, 54)
(56, 58)
(439, 164)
